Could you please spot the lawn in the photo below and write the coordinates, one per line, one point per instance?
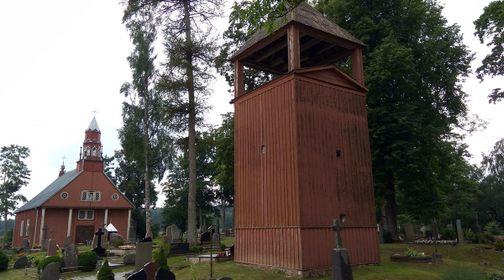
(470, 261)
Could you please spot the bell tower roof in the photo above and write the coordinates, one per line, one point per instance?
(93, 126)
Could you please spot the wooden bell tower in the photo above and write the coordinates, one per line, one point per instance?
(302, 155)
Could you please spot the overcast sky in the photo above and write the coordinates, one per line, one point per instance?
(60, 60)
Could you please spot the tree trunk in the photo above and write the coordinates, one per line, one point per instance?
(191, 201)
(147, 202)
(390, 207)
(5, 230)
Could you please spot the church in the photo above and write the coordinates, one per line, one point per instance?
(77, 203)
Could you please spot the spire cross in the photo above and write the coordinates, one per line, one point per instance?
(63, 158)
(95, 112)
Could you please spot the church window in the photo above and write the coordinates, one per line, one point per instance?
(27, 231)
(21, 229)
(94, 151)
(86, 215)
(90, 196)
(64, 195)
(115, 196)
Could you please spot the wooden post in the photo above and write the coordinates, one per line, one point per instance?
(357, 68)
(42, 220)
(69, 224)
(294, 52)
(238, 83)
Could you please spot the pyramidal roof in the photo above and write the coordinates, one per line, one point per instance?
(308, 16)
(93, 125)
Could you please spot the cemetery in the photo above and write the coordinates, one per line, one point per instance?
(303, 169)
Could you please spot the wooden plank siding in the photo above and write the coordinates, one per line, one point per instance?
(289, 183)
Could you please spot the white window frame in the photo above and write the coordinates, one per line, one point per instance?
(87, 216)
(27, 230)
(90, 195)
(21, 229)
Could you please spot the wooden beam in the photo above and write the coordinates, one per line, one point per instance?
(280, 46)
(261, 67)
(293, 47)
(238, 82)
(357, 68)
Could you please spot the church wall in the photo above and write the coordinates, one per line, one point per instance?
(28, 233)
(119, 218)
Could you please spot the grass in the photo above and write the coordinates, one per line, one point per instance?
(469, 261)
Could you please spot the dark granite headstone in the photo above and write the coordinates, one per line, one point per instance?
(409, 230)
(51, 271)
(51, 247)
(341, 269)
(225, 278)
(164, 274)
(179, 248)
(139, 275)
(22, 262)
(99, 250)
(143, 254)
(150, 269)
(205, 237)
(129, 259)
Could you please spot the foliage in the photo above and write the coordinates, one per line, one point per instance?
(448, 234)
(499, 245)
(4, 261)
(105, 272)
(224, 158)
(47, 260)
(160, 254)
(414, 63)
(87, 260)
(462, 273)
(490, 27)
(493, 228)
(7, 238)
(411, 252)
(14, 174)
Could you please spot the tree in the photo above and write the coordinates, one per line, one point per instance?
(189, 47)
(14, 174)
(144, 137)
(414, 62)
(490, 25)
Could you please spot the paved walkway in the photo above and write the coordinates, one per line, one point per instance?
(117, 275)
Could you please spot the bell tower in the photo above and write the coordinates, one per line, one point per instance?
(90, 158)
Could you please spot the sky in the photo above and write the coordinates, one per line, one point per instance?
(63, 62)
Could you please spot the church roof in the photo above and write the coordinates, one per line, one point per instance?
(49, 191)
(93, 125)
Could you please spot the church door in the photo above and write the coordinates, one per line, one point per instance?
(84, 234)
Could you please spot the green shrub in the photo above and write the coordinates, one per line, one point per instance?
(196, 249)
(105, 272)
(222, 246)
(493, 228)
(87, 260)
(499, 245)
(47, 260)
(462, 273)
(4, 261)
(160, 254)
(116, 242)
(7, 239)
(495, 276)
(411, 252)
(448, 234)
(482, 237)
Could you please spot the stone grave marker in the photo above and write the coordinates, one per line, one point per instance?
(51, 247)
(22, 262)
(129, 259)
(409, 230)
(173, 234)
(143, 254)
(70, 253)
(205, 237)
(51, 271)
(99, 250)
(216, 238)
(150, 269)
(26, 245)
(164, 274)
(44, 244)
(460, 233)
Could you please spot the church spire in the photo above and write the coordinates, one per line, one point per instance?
(91, 155)
(62, 170)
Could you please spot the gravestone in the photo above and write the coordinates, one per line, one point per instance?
(460, 233)
(51, 271)
(164, 274)
(129, 259)
(341, 269)
(216, 238)
(205, 237)
(99, 250)
(409, 230)
(51, 247)
(173, 234)
(143, 254)
(44, 244)
(70, 253)
(139, 275)
(150, 270)
(26, 245)
(22, 262)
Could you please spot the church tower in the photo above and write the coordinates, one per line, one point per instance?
(90, 158)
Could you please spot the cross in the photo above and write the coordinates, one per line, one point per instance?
(63, 158)
(95, 112)
(336, 226)
(98, 234)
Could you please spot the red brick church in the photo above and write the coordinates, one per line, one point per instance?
(77, 203)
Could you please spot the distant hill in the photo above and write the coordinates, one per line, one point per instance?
(10, 225)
